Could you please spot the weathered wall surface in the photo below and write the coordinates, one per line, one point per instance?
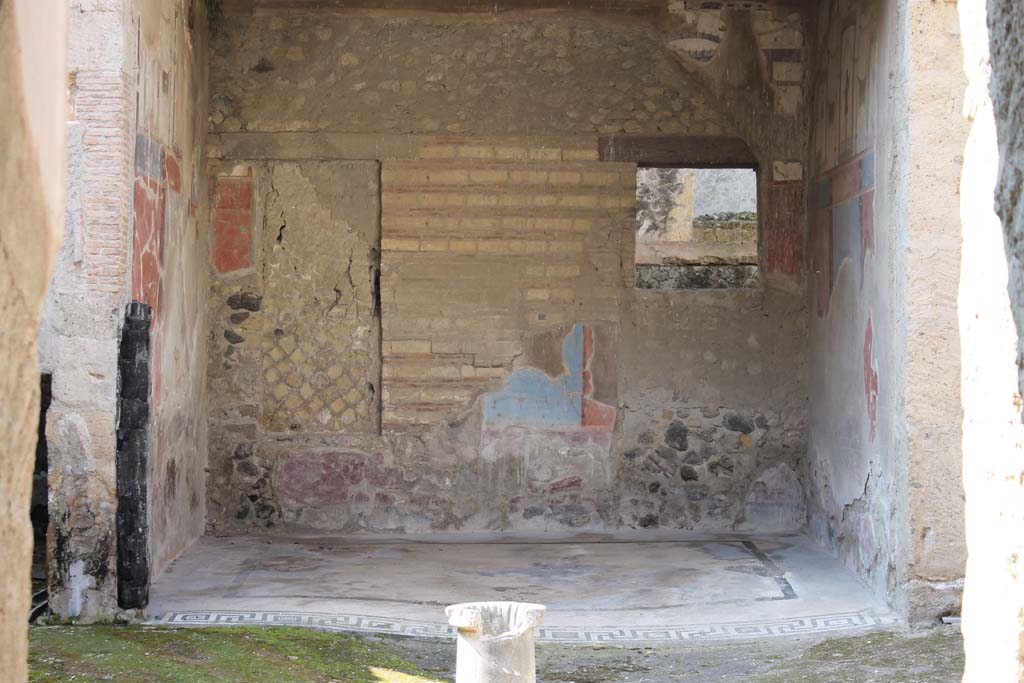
(722, 372)
(79, 333)
(170, 263)
(993, 433)
(501, 345)
(476, 76)
(31, 168)
(938, 548)
(295, 331)
(855, 356)
(135, 189)
(884, 347)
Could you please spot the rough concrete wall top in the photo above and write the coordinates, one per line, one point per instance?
(448, 74)
(31, 169)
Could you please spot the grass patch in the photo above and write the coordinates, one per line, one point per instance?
(146, 654)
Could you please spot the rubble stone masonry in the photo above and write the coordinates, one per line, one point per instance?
(423, 312)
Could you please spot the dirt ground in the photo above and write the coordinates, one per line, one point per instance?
(288, 655)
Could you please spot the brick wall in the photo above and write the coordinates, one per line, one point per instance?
(477, 250)
(101, 104)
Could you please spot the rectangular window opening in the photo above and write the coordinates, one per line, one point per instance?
(696, 228)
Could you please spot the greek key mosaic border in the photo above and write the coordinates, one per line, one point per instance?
(355, 623)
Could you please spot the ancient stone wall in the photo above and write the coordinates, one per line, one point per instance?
(32, 114)
(884, 252)
(448, 75)
(423, 312)
(135, 187)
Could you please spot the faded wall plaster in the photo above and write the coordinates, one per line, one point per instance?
(31, 171)
(884, 401)
(294, 325)
(173, 98)
(854, 459)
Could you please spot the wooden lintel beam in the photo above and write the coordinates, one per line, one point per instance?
(676, 150)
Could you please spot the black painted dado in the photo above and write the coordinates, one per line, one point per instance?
(133, 458)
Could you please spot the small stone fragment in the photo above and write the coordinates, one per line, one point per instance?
(737, 423)
(648, 521)
(245, 300)
(676, 435)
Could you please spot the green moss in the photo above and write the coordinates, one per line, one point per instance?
(935, 656)
(143, 654)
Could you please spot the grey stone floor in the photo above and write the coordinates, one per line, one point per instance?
(611, 588)
(933, 656)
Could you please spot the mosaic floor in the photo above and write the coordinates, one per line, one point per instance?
(625, 587)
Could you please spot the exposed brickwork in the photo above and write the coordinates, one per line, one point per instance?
(507, 242)
(102, 105)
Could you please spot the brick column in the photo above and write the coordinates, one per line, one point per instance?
(79, 335)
